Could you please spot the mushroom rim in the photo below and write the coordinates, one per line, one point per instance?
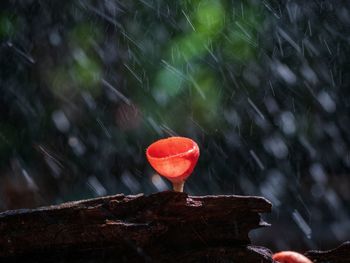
(194, 149)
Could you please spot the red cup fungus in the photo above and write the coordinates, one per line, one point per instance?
(290, 257)
(174, 158)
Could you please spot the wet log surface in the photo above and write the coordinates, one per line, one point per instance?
(162, 227)
(340, 254)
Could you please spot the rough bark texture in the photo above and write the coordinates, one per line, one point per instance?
(163, 227)
(340, 254)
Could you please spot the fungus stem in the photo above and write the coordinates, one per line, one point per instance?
(179, 186)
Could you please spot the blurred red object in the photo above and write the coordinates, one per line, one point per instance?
(290, 257)
(173, 158)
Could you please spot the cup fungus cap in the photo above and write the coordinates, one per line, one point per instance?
(290, 257)
(173, 157)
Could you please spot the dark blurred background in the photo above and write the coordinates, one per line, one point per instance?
(262, 86)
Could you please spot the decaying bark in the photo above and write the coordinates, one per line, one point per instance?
(340, 254)
(163, 227)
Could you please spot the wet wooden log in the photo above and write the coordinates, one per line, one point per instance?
(340, 254)
(162, 227)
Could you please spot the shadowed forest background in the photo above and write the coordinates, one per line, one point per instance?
(261, 86)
